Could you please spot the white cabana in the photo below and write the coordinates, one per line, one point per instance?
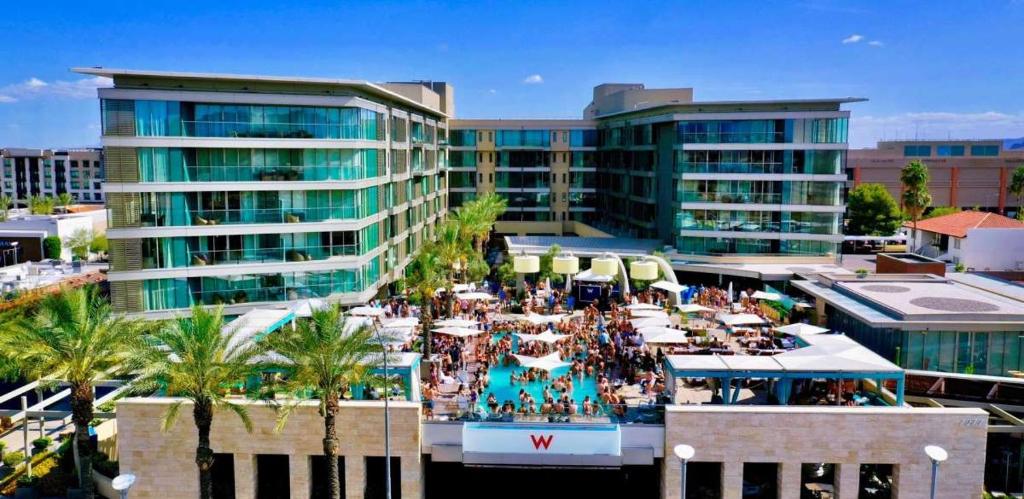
(589, 276)
(546, 337)
(643, 306)
(456, 322)
(474, 295)
(401, 322)
(648, 313)
(800, 329)
(835, 353)
(548, 362)
(761, 295)
(670, 336)
(354, 323)
(461, 332)
(306, 307)
(691, 308)
(671, 287)
(739, 319)
(650, 322)
(543, 319)
(367, 311)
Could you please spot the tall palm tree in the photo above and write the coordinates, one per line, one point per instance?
(327, 355)
(75, 338)
(915, 197)
(192, 358)
(424, 276)
(479, 215)
(5, 202)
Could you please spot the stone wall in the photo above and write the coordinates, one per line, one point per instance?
(164, 462)
(848, 437)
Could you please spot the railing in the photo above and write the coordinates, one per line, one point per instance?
(249, 216)
(775, 168)
(606, 413)
(278, 173)
(730, 197)
(752, 226)
(273, 293)
(731, 137)
(244, 129)
(262, 255)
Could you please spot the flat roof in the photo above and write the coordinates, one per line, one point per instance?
(524, 123)
(366, 85)
(771, 102)
(1001, 287)
(763, 271)
(586, 246)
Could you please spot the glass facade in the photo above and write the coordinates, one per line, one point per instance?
(741, 246)
(991, 150)
(758, 221)
(583, 138)
(822, 162)
(462, 138)
(811, 130)
(220, 165)
(523, 138)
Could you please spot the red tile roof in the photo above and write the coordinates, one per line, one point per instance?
(956, 224)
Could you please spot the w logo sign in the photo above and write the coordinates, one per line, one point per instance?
(541, 441)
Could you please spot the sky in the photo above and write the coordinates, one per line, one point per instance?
(930, 69)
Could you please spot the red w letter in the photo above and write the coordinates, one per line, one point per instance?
(541, 441)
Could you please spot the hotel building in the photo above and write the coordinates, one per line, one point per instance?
(242, 190)
(50, 172)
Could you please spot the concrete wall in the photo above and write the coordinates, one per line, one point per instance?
(848, 437)
(993, 249)
(165, 462)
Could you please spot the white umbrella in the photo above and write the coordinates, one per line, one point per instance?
(800, 329)
(461, 332)
(456, 322)
(474, 295)
(673, 336)
(739, 319)
(643, 306)
(548, 362)
(306, 307)
(402, 322)
(367, 311)
(761, 295)
(648, 313)
(652, 331)
(650, 322)
(730, 291)
(546, 337)
(690, 308)
(543, 319)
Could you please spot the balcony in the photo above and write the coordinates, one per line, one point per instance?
(243, 129)
(163, 218)
(200, 258)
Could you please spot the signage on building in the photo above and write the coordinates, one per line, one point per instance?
(568, 439)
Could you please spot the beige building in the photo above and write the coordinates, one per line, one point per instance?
(964, 173)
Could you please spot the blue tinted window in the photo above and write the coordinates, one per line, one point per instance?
(992, 150)
(917, 150)
(949, 150)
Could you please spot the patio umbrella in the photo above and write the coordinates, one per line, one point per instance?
(650, 322)
(306, 307)
(474, 295)
(546, 337)
(690, 308)
(648, 313)
(402, 322)
(800, 329)
(643, 306)
(456, 322)
(543, 319)
(761, 295)
(367, 311)
(461, 332)
(672, 336)
(548, 362)
(730, 291)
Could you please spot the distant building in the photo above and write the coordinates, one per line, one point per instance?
(22, 235)
(50, 172)
(964, 173)
(945, 237)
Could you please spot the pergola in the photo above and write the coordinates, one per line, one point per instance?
(826, 357)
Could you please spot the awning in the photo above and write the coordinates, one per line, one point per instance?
(461, 332)
(548, 362)
(474, 295)
(306, 307)
(690, 308)
(367, 311)
(671, 287)
(648, 313)
(739, 319)
(590, 276)
(456, 322)
(667, 336)
(650, 322)
(643, 306)
(800, 329)
(546, 337)
(401, 322)
(761, 295)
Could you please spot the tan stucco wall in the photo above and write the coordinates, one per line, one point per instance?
(165, 462)
(844, 436)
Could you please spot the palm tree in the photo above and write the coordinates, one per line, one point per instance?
(192, 358)
(75, 338)
(479, 215)
(5, 201)
(424, 277)
(326, 355)
(64, 200)
(1016, 188)
(915, 197)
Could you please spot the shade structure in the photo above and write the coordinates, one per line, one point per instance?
(739, 319)
(474, 295)
(604, 266)
(548, 362)
(643, 306)
(643, 270)
(401, 322)
(526, 264)
(648, 313)
(543, 319)
(691, 308)
(650, 322)
(671, 287)
(306, 307)
(367, 311)
(589, 276)
(668, 337)
(565, 265)
(456, 322)
(801, 329)
(546, 337)
(762, 295)
(461, 332)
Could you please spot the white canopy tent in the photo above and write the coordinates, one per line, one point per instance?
(543, 319)
(589, 276)
(546, 337)
(739, 319)
(305, 308)
(761, 295)
(669, 336)
(801, 329)
(456, 322)
(367, 311)
(648, 313)
(548, 362)
(650, 322)
(474, 295)
(255, 323)
(401, 322)
(834, 353)
(643, 306)
(671, 287)
(690, 308)
(461, 332)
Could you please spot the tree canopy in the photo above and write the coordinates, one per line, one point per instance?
(872, 211)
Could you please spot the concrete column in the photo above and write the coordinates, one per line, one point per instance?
(299, 476)
(355, 476)
(789, 481)
(245, 476)
(1004, 178)
(732, 480)
(411, 477)
(847, 480)
(954, 185)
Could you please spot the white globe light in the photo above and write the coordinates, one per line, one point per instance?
(565, 265)
(526, 264)
(936, 453)
(684, 452)
(604, 266)
(643, 271)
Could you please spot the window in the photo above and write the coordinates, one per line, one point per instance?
(760, 480)
(703, 479)
(916, 150)
(816, 477)
(949, 150)
(272, 480)
(375, 475)
(875, 481)
(223, 472)
(990, 150)
(320, 489)
(956, 243)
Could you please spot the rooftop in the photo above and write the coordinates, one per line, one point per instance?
(584, 246)
(957, 224)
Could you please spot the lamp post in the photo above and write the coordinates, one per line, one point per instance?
(684, 453)
(387, 412)
(122, 483)
(937, 455)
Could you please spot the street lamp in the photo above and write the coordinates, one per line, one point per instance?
(684, 453)
(387, 412)
(937, 455)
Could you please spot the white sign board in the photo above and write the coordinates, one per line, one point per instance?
(513, 438)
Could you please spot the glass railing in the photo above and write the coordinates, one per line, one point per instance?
(755, 226)
(277, 173)
(201, 258)
(731, 137)
(443, 410)
(243, 129)
(688, 167)
(250, 216)
(273, 293)
(729, 197)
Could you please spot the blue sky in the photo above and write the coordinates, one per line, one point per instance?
(936, 69)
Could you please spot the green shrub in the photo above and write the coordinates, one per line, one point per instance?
(107, 468)
(41, 444)
(14, 458)
(51, 247)
(26, 481)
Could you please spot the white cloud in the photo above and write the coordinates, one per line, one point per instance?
(854, 38)
(865, 131)
(31, 88)
(876, 43)
(492, 91)
(533, 79)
